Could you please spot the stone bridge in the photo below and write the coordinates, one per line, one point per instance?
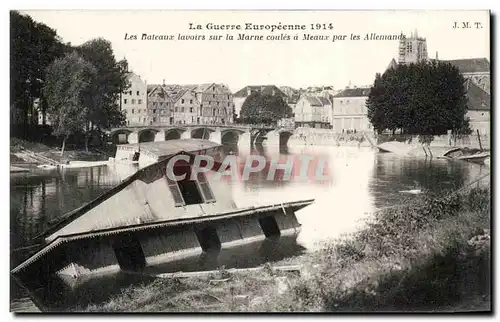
(243, 135)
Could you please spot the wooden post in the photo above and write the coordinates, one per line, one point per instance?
(479, 139)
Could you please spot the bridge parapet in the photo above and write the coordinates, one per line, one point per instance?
(246, 133)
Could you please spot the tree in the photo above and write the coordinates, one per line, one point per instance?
(262, 108)
(107, 84)
(425, 99)
(33, 46)
(68, 85)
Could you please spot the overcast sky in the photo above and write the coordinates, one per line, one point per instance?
(293, 63)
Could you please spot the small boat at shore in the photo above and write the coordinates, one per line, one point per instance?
(466, 154)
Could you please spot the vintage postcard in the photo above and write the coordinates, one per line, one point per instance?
(250, 161)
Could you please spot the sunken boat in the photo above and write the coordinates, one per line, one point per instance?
(148, 219)
(147, 153)
(466, 154)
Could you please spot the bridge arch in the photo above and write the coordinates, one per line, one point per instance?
(119, 136)
(173, 134)
(146, 135)
(202, 133)
(231, 136)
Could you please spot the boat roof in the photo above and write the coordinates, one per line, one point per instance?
(59, 240)
(170, 147)
(148, 174)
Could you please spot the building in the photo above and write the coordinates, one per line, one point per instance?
(475, 69)
(290, 92)
(176, 104)
(240, 96)
(186, 107)
(412, 49)
(350, 111)
(216, 103)
(478, 105)
(159, 106)
(133, 102)
(313, 111)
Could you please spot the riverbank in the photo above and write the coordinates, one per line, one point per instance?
(431, 255)
(25, 154)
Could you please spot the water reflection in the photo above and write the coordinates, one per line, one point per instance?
(362, 181)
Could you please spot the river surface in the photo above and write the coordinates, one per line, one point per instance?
(360, 181)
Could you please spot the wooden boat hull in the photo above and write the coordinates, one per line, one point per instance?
(134, 248)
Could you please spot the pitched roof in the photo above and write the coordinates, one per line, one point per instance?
(478, 99)
(164, 150)
(317, 100)
(263, 89)
(354, 92)
(392, 64)
(203, 87)
(472, 65)
(151, 87)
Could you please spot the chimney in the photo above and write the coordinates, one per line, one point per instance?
(164, 82)
(249, 91)
(274, 92)
(437, 57)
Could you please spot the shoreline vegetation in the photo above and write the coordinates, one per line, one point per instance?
(430, 255)
(21, 150)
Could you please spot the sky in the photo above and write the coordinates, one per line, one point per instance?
(298, 64)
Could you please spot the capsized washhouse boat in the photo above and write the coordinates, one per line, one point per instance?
(147, 153)
(148, 219)
(466, 154)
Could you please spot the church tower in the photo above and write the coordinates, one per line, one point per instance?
(412, 49)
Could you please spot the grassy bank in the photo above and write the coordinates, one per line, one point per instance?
(430, 255)
(53, 152)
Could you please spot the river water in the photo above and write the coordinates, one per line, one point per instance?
(361, 180)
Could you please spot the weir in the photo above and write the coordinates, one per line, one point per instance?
(147, 220)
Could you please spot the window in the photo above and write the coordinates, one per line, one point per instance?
(130, 92)
(176, 109)
(133, 101)
(154, 111)
(190, 101)
(228, 104)
(132, 111)
(228, 97)
(182, 101)
(190, 110)
(125, 101)
(213, 112)
(217, 103)
(213, 96)
(182, 109)
(154, 119)
(137, 93)
(154, 104)
(139, 101)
